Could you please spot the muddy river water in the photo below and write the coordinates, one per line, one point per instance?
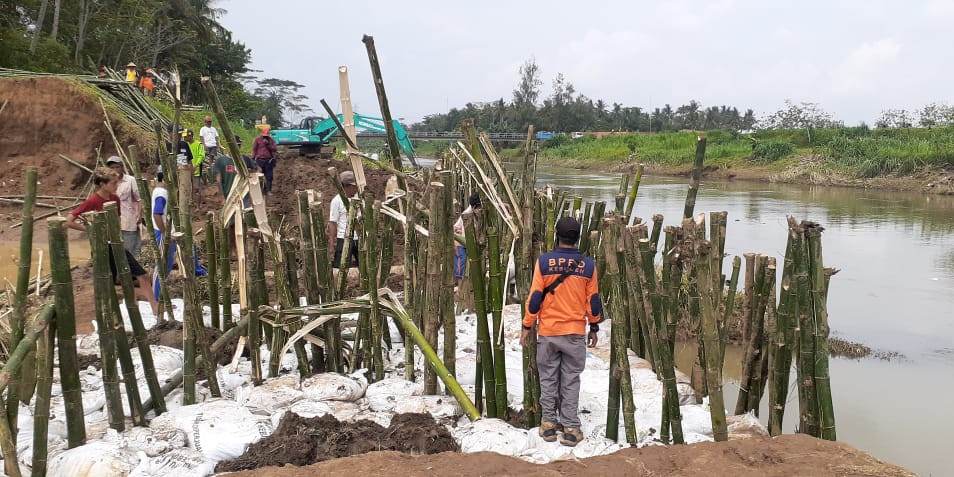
(895, 292)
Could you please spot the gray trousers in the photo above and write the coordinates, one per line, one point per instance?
(132, 242)
(560, 360)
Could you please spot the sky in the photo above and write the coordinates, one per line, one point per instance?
(855, 58)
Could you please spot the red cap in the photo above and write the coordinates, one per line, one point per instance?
(208, 118)
(265, 131)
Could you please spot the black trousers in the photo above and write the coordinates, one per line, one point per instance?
(339, 245)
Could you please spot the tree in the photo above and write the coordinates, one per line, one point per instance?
(281, 97)
(803, 115)
(39, 25)
(894, 118)
(56, 20)
(528, 89)
(935, 114)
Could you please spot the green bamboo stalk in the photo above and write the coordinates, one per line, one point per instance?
(670, 394)
(290, 255)
(669, 290)
(432, 292)
(710, 339)
(631, 199)
(748, 294)
(410, 283)
(225, 273)
(212, 264)
(448, 317)
(309, 269)
(194, 337)
(819, 290)
(807, 403)
(695, 178)
(20, 297)
(372, 253)
(640, 302)
(132, 309)
(783, 340)
(635, 340)
(619, 362)
(768, 331)
(8, 445)
(484, 346)
(66, 331)
(393, 147)
(729, 307)
(657, 228)
(550, 222)
(332, 328)
(41, 412)
(751, 351)
(620, 202)
(575, 209)
(585, 227)
(102, 291)
(255, 282)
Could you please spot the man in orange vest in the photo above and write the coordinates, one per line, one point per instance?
(564, 299)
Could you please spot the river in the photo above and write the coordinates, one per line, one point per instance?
(895, 292)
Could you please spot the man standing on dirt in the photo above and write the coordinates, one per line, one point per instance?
(130, 207)
(338, 220)
(210, 138)
(263, 151)
(106, 181)
(198, 158)
(224, 171)
(162, 224)
(561, 321)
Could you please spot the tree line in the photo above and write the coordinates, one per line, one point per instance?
(80, 36)
(566, 110)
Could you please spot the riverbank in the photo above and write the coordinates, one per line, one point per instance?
(885, 159)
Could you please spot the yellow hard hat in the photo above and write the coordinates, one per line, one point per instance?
(131, 65)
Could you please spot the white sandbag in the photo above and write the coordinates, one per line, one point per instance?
(273, 394)
(384, 395)
(745, 426)
(440, 407)
(309, 409)
(492, 435)
(150, 441)
(218, 428)
(542, 452)
(335, 387)
(94, 459)
(182, 462)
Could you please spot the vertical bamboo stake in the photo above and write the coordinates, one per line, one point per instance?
(695, 178)
(729, 307)
(631, 199)
(670, 394)
(41, 412)
(371, 236)
(620, 377)
(448, 318)
(102, 289)
(484, 347)
(819, 291)
(411, 285)
(17, 318)
(309, 269)
(225, 273)
(710, 339)
(255, 282)
(748, 295)
(66, 331)
(783, 340)
(132, 309)
(768, 330)
(751, 352)
(435, 243)
(807, 404)
(393, 147)
(332, 327)
(212, 265)
(8, 445)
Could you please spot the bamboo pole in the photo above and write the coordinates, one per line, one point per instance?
(760, 378)
(393, 147)
(309, 269)
(432, 291)
(411, 265)
(819, 290)
(670, 394)
(212, 265)
(448, 317)
(783, 340)
(695, 177)
(748, 295)
(729, 307)
(484, 346)
(17, 318)
(103, 290)
(631, 199)
(66, 331)
(332, 328)
(640, 302)
(805, 366)
(132, 309)
(225, 272)
(371, 257)
(255, 282)
(621, 387)
(41, 411)
(710, 338)
(8, 445)
(752, 342)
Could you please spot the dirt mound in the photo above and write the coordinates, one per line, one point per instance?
(303, 441)
(796, 454)
(49, 116)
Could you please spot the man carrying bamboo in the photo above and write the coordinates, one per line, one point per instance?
(563, 298)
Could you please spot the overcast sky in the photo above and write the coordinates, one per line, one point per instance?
(856, 58)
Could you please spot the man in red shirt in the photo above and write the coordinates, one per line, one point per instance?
(107, 182)
(263, 151)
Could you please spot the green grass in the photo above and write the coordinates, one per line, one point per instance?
(856, 152)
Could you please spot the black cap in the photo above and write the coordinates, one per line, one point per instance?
(475, 200)
(568, 230)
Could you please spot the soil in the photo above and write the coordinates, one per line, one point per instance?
(303, 441)
(169, 333)
(795, 454)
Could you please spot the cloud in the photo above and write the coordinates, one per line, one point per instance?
(861, 71)
(599, 56)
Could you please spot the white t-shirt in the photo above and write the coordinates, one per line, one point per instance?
(339, 215)
(160, 207)
(129, 212)
(209, 135)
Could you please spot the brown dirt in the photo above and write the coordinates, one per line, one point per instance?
(302, 441)
(169, 333)
(782, 456)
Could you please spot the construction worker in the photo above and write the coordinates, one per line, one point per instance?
(162, 225)
(210, 138)
(338, 220)
(130, 207)
(146, 83)
(263, 151)
(132, 76)
(198, 156)
(563, 299)
(106, 181)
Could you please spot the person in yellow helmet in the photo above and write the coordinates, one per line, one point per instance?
(132, 76)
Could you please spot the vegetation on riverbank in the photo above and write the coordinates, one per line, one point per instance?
(793, 155)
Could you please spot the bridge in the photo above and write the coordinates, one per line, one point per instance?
(447, 135)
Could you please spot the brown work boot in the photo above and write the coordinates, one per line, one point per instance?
(548, 430)
(571, 436)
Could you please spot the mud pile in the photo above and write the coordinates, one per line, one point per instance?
(303, 441)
